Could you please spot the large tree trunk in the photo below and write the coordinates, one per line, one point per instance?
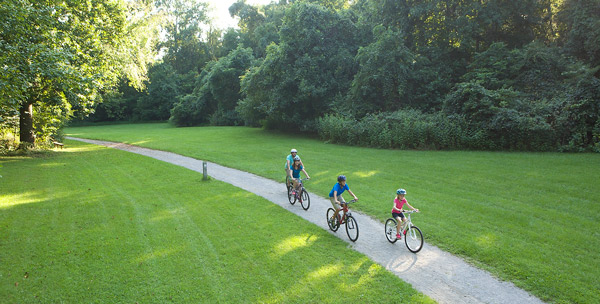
(26, 133)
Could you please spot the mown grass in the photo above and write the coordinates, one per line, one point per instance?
(530, 218)
(90, 224)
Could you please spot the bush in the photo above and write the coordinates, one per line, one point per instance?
(412, 129)
(188, 112)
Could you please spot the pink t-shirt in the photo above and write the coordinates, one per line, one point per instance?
(399, 204)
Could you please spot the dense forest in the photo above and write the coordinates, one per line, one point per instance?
(428, 74)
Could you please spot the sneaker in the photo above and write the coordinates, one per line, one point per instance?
(404, 232)
(399, 236)
(332, 224)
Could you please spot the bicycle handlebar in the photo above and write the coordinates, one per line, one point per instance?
(409, 211)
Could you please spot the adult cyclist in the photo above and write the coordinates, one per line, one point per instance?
(289, 161)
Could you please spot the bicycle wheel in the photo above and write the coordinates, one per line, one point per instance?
(335, 224)
(305, 199)
(351, 228)
(413, 239)
(390, 230)
(291, 197)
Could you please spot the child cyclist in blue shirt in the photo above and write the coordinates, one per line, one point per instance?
(335, 195)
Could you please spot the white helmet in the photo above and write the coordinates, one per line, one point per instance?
(294, 151)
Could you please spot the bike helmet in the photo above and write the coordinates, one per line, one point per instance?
(400, 191)
(341, 178)
(296, 157)
(294, 151)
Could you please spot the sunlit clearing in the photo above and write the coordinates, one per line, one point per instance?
(51, 165)
(325, 271)
(21, 198)
(141, 142)
(85, 148)
(321, 173)
(293, 243)
(168, 214)
(487, 240)
(365, 174)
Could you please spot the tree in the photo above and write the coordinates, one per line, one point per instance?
(384, 69)
(302, 75)
(579, 30)
(55, 56)
(217, 92)
(163, 88)
(259, 25)
(183, 45)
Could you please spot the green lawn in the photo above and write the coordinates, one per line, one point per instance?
(530, 218)
(90, 224)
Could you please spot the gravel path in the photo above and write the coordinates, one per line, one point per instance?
(438, 274)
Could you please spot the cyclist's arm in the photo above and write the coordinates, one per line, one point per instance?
(395, 208)
(306, 174)
(411, 207)
(355, 198)
(335, 198)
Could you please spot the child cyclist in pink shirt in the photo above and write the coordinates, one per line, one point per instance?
(399, 201)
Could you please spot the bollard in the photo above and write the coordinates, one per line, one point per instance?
(205, 177)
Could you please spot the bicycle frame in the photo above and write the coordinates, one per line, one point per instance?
(346, 210)
(301, 185)
(408, 224)
(413, 237)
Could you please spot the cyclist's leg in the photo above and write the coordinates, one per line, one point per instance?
(287, 175)
(335, 206)
(342, 202)
(399, 221)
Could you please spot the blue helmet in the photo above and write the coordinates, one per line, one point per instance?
(296, 157)
(341, 178)
(400, 191)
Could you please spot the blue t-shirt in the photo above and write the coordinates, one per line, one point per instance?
(337, 187)
(291, 159)
(296, 172)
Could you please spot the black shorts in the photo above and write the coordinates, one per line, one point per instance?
(396, 215)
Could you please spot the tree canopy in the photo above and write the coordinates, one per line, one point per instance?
(474, 74)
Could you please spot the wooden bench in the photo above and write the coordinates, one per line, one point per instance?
(57, 144)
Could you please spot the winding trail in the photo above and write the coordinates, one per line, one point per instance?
(438, 274)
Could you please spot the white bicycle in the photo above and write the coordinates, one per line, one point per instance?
(413, 238)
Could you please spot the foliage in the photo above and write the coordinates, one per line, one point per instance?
(119, 104)
(301, 75)
(514, 71)
(579, 29)
(162, 91)
(183, 47)
(381, 83)
(56, 56)
(217, 92)
(403, 129)
(527, 99)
